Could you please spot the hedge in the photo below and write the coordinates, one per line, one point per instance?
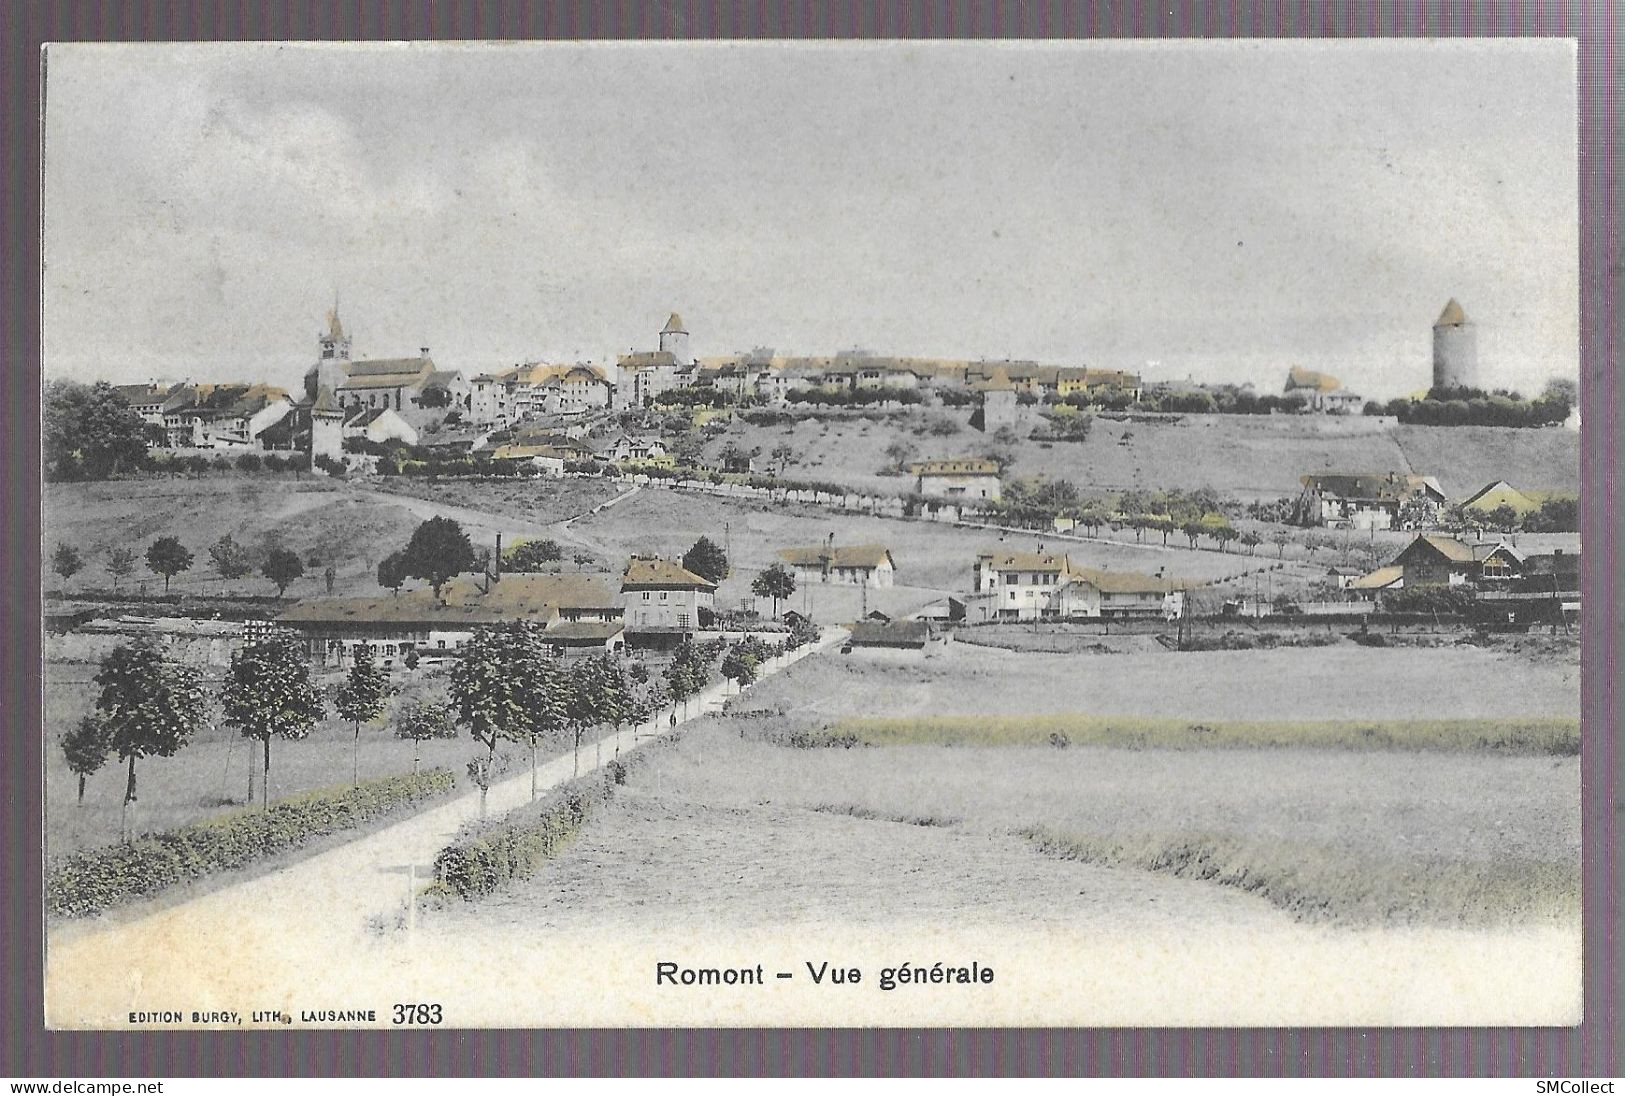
(490, 854)
(97, 879)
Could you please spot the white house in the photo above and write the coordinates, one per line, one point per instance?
(850, 564)
(963, 478)
(660, 597)
(379, 424)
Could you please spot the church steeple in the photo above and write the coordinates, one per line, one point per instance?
(335, 343)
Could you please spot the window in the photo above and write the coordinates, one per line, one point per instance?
(442, 644)
(645, 595)
(682, 620)
(662, 595)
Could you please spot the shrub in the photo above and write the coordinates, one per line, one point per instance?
(488, 855)
(93, 880)
(249, 462)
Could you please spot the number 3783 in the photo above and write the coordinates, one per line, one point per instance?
(417, 1014)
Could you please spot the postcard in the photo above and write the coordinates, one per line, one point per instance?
(1044, 534)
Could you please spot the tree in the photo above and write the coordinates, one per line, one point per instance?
(782, 455)
(282, 567)
(89, 431)
(120, 564)
(424, 719)
(438, 550)
(775, 582)
(898, 455)
(581, 559)
(597, 694)
(230, 559)
(504, 688)
(168, 557)
(682, 675)
(86, 745)
(707, 560)
(149, 706)
(392, 572)
(268, 694)
(532, 555)
(66, 561)
(740, 663)
(361, 700)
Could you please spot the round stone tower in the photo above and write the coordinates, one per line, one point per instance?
(1455, 349)
(674, 339)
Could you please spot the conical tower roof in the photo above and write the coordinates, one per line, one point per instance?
(1452, 316)
(674, 326)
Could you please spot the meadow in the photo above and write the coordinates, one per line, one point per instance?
(312, 516)
(211, 774)
(985, 786)
(1248, 456)
(1295, 684)
(726, 830)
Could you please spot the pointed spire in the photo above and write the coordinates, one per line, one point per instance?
(1452, 316)
(335, 328)
(674, 325)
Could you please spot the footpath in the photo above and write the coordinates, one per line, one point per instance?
(272, 937)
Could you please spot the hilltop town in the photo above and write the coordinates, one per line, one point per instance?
(591, 577)
(910, 509)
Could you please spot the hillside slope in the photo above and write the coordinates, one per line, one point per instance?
(1246, 456)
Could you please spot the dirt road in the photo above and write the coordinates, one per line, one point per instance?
(274, 938)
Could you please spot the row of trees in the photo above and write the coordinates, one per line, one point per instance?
(507, 686)
(150, 706)
(167, 557)
(1476, 407)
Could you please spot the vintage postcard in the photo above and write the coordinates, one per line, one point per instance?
(906, 534)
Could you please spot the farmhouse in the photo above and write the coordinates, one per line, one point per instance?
(662, 600)
(416, 621)
(959, 478)
(851, 565)
(1123, 595)
(1362, 500)
(1436, 560)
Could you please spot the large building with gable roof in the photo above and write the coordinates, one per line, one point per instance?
(413, 388)
(642, 375)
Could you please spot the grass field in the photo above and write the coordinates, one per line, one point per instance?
(211, 774)
(306, 516)
(1550, 736)
(1289, 683)
(727, 831)
(1247, 456)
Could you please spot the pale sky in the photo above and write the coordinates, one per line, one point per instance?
(1219, 210)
